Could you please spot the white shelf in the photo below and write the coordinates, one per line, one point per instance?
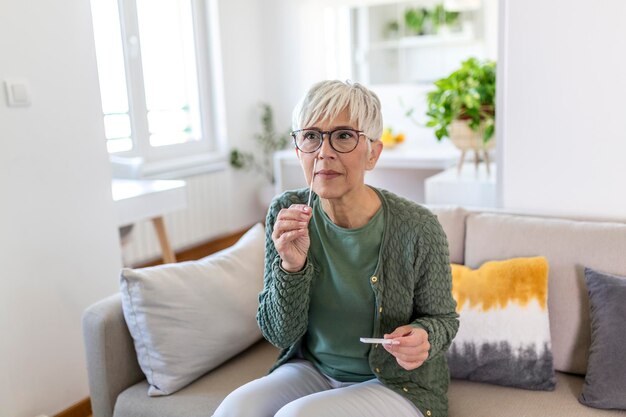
(400, 157)
(404, 57)
(447, 39)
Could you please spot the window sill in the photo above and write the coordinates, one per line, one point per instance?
(138, 168)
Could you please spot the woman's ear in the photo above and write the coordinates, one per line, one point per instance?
(376, 149)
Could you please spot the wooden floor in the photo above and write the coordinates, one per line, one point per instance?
(83, 408)
(80, 409)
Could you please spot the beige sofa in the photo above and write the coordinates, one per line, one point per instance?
(118, 387)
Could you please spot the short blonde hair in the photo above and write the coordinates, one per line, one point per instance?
(326, 99)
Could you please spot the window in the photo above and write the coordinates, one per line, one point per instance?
(154, 72)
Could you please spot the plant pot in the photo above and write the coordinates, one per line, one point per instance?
(466, 139)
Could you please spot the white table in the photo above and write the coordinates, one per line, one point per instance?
(469, 188)
(401, 170)
(137, 200)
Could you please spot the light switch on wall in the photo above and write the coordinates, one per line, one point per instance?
(17, 93)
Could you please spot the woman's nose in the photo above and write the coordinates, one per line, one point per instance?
(326, 151)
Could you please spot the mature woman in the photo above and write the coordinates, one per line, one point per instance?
(357, 262)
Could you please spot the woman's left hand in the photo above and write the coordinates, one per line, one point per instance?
(412, 349)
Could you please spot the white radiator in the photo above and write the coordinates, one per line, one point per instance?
(215, 207)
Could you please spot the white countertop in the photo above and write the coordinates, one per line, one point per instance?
(398, 157)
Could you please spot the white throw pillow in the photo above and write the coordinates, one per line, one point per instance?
(187, 318)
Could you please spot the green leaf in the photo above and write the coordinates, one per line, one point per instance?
(467, 92)
(268, 140)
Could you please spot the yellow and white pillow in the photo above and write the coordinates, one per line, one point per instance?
(504, 332)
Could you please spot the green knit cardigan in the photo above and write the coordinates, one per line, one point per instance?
(412, 285)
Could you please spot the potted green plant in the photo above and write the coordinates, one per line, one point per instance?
(261, 159)
(269, 141)
(443, 18)
(414, 19)
(462, 107)
(421, 21)
(391, 29)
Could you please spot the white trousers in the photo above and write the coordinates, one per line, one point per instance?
(298, 389)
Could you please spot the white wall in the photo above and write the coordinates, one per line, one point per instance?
(294, 52)
(59, 249)
(561, 133)
(242, 43)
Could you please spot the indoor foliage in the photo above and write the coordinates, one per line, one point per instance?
(466, 94)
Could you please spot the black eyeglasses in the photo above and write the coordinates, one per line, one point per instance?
(341, 140)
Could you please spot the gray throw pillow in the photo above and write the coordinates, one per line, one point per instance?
(605, 382)
(189, 317)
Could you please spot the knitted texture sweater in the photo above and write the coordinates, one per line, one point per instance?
(412, 285)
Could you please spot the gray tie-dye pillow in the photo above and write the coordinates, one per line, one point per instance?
(504, 331)
(605, 382)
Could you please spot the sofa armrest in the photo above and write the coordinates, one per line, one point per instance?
(111, 358)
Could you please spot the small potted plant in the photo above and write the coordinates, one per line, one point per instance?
(415, 19)
(391, 29)
(421, 21)
(443, 19)
(462, 107)
(269, 141)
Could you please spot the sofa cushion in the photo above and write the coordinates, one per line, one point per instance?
(568, 245)
(473, 399)
(452, 220)
(202, 397)
(189, 317)
(605, 382)
(504, 331)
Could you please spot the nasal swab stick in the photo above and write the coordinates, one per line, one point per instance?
(311, 186)
(381, 341)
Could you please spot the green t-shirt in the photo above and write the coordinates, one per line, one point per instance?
(342, 306)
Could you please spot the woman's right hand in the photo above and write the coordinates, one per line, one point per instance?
(291, 236)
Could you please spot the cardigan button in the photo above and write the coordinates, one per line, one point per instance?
(428, 413)
(377, 370)
(405, 389)
(374, 279)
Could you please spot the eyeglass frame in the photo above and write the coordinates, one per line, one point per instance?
(329, 133)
